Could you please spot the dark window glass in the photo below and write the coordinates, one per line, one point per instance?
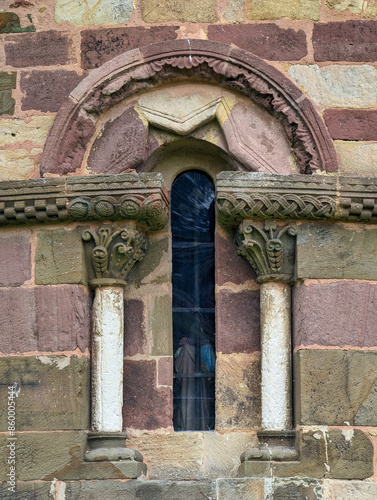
(192, 220)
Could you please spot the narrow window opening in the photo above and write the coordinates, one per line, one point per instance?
(192, 221)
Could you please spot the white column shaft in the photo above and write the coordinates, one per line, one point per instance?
(275, 299)
(107, 359)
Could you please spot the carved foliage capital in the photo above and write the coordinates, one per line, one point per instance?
(269, 249)
(112, 253)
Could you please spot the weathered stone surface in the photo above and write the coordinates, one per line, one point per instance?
(175, 455)
(47, 90)
(335, 314)
(296, 489)
(43, 455)
(165, 371)
(99, 46)
(7, 83)
(268, 41)
(135, 341)
(18, 164)
(337, 251)
(59, 257)
(336, 86)
(54, 393)
(241, 489)
(121, 145)
(34, 130)
(81, 12)
(46, 47)
(357, 158)
(63, 318)
(351, 124)
(29, 490)
(196, 11)
(345, 490)
(15, 259)
(238, 391)
(44, 318)
(145, 405)
(18, 332)
(160, 326)
(221, 456)
(334, 453)
(147, 490)
(345, 41)
(234, 11)
(296, 9)
(10, 23)
(230, 267)
(355, 6)
(334, 387)
(237, 318)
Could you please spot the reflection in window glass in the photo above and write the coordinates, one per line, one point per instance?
(192, 219)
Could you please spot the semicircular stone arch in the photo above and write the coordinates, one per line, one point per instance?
(130, 112)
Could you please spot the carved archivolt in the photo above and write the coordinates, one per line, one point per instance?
(191, 61)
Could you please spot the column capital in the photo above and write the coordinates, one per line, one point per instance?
(112, 252)
(269, 249)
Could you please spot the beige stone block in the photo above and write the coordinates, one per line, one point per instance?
(337, 86)
(175, 455)
(238, 391)
(18, 164)
(272, 9)
(336, 251)
(60, 257)
(93, 12)
(349, 490)
(357, 158)
(35, 130)
(160, 321)
(234, 11)
(241, 489)
(196, 11)
(222, 452)
(369, 9)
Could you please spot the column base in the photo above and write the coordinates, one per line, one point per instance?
(111, 447)
(273, 445)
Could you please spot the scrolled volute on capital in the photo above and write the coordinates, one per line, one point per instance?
(269, 249)
(112, 253)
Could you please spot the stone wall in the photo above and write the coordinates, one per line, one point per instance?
(329, 50)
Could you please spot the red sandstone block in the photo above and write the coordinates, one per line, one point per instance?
(134, 331)
(230, 267)
(345, 41)
(47, 90)
(145, 405)
(352, 124)
(101, 45)
(18, 331)
(45, 48)
(15, 259)
(165, 371)
(63, 318)
(237, 322)
(335, 314)
(268, 41)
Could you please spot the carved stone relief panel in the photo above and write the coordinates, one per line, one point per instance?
(135, 130)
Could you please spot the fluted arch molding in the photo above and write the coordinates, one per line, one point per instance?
(186, 60)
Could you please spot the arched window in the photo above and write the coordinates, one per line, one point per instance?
(192, 222)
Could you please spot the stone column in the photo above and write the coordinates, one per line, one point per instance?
(111, 252)
(271, 252)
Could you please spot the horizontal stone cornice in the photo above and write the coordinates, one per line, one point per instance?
(138, 197)
(245, 195)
